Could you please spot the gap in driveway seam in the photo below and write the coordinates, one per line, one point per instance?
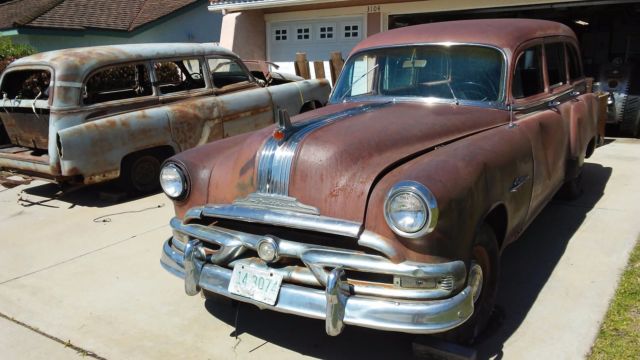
(66, 344)
(79, 256)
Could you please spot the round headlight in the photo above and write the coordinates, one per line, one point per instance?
(173, 181)
(410, 209)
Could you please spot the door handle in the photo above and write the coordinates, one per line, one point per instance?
(554, 103)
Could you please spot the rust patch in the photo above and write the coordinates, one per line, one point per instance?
(250, 112)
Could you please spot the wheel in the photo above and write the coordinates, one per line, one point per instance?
(630, 125)
(484, 253)
(140, 173)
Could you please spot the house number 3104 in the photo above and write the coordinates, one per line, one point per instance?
(373, 8)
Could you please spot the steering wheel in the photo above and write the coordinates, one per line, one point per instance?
(474, 91)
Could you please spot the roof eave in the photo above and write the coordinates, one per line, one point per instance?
(265, 4)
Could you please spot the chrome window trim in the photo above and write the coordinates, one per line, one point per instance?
(504, 72)
(543, 103)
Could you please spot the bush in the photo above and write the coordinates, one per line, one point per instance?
(10, 52)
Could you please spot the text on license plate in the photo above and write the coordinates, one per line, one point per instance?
(257, 284)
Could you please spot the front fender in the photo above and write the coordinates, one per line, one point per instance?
(468, 177)
(95, 149)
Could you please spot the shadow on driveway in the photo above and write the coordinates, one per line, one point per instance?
(526, 267)
(99, 195)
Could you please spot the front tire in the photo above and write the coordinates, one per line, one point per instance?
(140, 173)
(484, 253)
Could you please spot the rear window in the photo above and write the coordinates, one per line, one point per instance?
(555, 64)
(117, 83)
(527, 78)
(26, 84)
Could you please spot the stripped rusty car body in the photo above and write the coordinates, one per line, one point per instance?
(81, 115)
(389, 207)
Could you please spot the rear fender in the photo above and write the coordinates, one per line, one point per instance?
(583, 125)
(94, 150)
(292, 96)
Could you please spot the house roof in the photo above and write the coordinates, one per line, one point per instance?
(119, 15)
(236, 5)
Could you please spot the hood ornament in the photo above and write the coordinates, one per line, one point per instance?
(284, 125)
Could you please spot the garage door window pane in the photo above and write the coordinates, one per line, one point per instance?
(351, 31)
(303, 33)
(117, 83)
(555, 64)
(280, 34)
(527, 79)
(326, 32)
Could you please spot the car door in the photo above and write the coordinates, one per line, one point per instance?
(538, 113)
(187, 97)
(244, 104)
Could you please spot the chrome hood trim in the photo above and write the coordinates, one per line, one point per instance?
(275, 158)
(285, 218)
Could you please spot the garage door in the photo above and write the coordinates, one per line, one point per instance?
(317, 38)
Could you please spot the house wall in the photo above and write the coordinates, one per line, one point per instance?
(244, 34)
(194, 24)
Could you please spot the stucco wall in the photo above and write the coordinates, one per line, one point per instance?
(244, 34)
(195, 24)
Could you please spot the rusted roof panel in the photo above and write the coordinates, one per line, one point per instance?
(72, 65)
(502, 33)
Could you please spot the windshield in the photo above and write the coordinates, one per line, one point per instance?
(451, 72)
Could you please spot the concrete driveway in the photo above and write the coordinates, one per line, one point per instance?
(81, 276)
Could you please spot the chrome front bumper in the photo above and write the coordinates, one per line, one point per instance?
(336, 304)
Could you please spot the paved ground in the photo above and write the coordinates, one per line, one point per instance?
(69, 277)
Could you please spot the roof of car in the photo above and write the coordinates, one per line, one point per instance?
(502, 33)
(79, 61)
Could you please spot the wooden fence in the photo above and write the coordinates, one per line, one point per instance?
(303, 67)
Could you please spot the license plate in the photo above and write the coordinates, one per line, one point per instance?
(257, 284)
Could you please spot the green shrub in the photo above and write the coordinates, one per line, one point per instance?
(10, 52)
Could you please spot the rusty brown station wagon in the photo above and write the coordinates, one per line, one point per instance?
(89, 115)
(389, 208)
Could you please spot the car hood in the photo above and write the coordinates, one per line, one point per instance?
(334, 166)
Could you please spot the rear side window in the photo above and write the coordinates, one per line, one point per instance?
(117, 83)
(575, 70)
(227, 72)
(528, 79)
(26, 84)
(555, 64)
(179, 75)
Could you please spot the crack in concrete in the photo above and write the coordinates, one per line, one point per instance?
(66, 344)
(79, 256)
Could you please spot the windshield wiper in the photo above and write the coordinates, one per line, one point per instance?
(451, 89)
(353, 83)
